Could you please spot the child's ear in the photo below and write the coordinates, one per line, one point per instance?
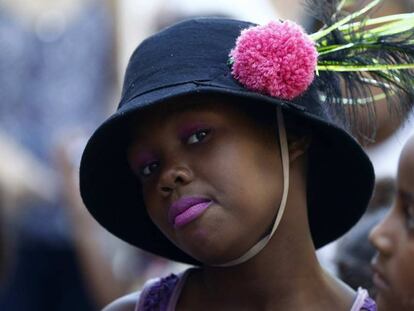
(298, 146)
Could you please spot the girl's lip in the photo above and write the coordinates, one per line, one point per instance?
(186, 209)
(379, 279)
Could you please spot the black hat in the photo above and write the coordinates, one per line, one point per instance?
(191, 59)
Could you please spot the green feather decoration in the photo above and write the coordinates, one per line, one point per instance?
(364, 60)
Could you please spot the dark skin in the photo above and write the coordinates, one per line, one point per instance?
(238, 165)
(393, 238)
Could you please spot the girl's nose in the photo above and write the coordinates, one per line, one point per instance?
(381, 236)
(173, 177)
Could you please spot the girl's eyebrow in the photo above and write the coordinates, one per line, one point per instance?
(189, 128)
(141, 157)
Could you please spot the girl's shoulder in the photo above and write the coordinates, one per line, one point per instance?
(157, 294)
(125, 303)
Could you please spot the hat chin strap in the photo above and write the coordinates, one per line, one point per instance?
(285, 168)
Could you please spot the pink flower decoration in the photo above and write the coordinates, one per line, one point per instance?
(278, 59)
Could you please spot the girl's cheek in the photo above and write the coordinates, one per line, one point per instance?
(404, 271)
(156, 217)
(149, 187)
(151, 206)
(410, 268)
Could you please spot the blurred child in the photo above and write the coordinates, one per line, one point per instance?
(394, 240)
(354, 252)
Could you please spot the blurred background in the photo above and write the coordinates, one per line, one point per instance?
(61, 69)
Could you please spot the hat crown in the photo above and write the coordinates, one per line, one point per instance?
(190, 51)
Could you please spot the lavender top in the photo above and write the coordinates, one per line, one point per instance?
(162, 295)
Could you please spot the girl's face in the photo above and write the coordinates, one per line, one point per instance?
(394, 240)
(211, 178)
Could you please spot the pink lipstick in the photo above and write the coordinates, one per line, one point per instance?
(187, 209)
(378, 278)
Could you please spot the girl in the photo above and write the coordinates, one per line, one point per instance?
(198, 166)
(394, 240)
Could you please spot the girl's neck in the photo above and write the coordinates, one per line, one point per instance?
(295, 282)
(285, 275)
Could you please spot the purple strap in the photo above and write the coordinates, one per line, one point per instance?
(363, 302)
(369, 305)
(158, 294)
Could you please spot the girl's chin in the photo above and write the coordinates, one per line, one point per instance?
(209, 247)
(210, 255)
(387, 302)
(381, 301)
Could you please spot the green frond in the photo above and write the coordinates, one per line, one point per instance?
(354, 68)
(322, 33)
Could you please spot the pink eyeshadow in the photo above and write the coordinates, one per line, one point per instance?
(188, 129)
(141, 158)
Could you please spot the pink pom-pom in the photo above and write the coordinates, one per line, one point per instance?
(278, 59)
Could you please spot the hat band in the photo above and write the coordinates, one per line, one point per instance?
(255, 249)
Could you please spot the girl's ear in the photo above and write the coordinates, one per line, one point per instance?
(298, 146)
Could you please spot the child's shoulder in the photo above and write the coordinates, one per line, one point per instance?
(125, 303)
(155, 292)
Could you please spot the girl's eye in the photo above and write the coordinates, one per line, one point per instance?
(148, 169)
(198, 136)
(409, 214)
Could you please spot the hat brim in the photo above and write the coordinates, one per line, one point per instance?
(340, 177)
